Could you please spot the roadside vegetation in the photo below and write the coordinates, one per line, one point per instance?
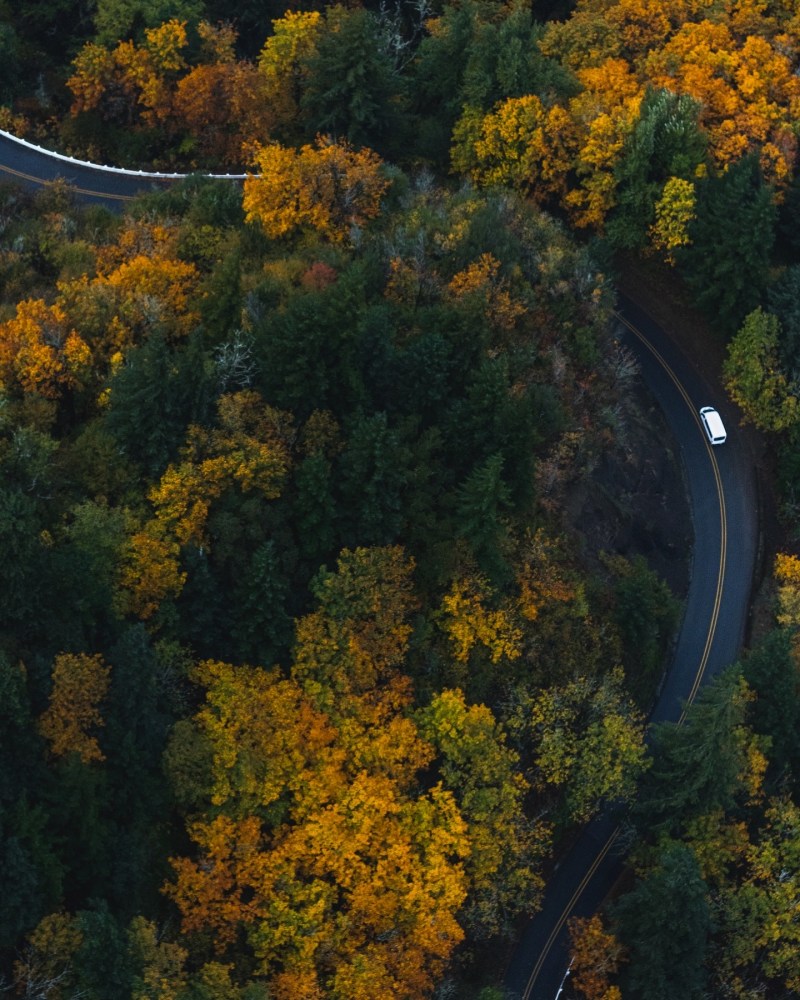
(322, 623)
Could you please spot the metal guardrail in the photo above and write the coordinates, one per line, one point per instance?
(124, 171)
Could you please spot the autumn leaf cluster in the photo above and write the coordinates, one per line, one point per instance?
(322, 670)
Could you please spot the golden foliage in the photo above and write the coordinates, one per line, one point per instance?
(786, 569)
(45, 964)
(319, 848)
(223, 102)
(329, 187)
(468, 620)
(39, 352)
(140, 74)
(150, 571)
(748, 91)
(250, 450)
(162, 976)
(736, 60)
(520, 143)
(267, 741)
(674, 212)
(542, 578)
(481, 281)
(155, 293)
(224, 106)
(80, 682)
(596, 956)
(506, 849)
(588, 739)
(360, 633)
(605, 113)
(283, 62)
(368, 883)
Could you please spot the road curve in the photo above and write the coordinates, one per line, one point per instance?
(32, 166)
(723, 500)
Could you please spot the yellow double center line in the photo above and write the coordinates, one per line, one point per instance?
(723, 514)
(698, 679)
(46, 180)
(567, 910)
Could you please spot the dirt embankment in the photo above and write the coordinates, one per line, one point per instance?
(634, 502)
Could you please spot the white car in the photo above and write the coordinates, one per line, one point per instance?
(714, 427)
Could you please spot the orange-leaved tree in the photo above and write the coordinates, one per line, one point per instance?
(340, 874)
(80, 683)
(249, 451)
(481, 284)
(215, 107)
(141, 287)
(329, 187)
(130, 81)
(748, 91)
(596, 957)
(40, 352)
(320, 845)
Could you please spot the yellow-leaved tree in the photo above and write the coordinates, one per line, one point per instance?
(40, 352)
(318, 844)
(283, 66)
(249, 450)
(329, 187)
(325, 843)
(587, 739)
(80, 683)
(472, 616)
(675, 209)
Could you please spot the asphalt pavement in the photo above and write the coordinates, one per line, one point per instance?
(723, 500)
(94, 183)
(722, 489)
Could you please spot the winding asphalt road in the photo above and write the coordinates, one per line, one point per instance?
(724, 506)
(723, 496)
(32, 166)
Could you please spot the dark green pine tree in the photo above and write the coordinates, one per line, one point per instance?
(771, 671)
(666, 142)
(373, 472)
(261, 626)
(646, 613)
(102, 964)
(307, 353)
(504, 60)
(664, 922)
(482, 501)
(22, 563)
(696, 766)
(221, 306)
(314, 508)
(32, 873)
(727, 263)
(139, 715)
(353, 90)
(489, 418)
(154, 398)
(783, 301)
(436, 77)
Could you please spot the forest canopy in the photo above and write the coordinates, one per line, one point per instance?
(325, 616)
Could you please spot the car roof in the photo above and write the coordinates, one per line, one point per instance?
(714, 421)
